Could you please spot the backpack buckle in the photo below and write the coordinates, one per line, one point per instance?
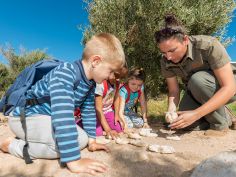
(32, 102)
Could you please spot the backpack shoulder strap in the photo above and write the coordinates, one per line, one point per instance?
(128, 91)
(105, 85)
(139, 93)
(76, 65)
(117, 86)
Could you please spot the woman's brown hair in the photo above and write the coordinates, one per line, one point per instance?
(172, 29)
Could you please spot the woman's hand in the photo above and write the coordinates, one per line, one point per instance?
(92, 167)
(185, 118)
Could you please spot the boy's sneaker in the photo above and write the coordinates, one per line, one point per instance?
(232, 117)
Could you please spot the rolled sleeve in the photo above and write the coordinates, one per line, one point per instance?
(218, 55)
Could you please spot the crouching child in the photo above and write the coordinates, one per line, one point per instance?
(51, 129)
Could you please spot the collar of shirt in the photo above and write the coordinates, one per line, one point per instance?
(91, 83)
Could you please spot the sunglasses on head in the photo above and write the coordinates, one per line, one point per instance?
(167, 32)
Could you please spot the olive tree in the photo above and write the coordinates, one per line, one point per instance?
(135, 21)
(16, 63)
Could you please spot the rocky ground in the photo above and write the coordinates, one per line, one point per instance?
(128, 160)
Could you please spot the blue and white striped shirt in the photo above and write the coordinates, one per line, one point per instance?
(59, 84)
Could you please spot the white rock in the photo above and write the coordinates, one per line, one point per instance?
(152, 135)
(138, 143)
(121, 141)
(134, 136)
(161, 149)
(171, 116)
(147, 132)
(102, 140)
(167, 150)
(154, 148)
(175, 138)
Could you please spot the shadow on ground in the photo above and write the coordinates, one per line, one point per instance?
(136, 163)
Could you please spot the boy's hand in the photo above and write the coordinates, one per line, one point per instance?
(92, 167)
(96, 147)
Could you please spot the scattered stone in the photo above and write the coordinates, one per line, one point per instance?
(134, 136)
(171, 116)
(154, 148)
(175, 138)
(102, 140)
(138, 143)
(161, 149)
(169, 132)
(147, 132)
(167, 150)
(121, 141)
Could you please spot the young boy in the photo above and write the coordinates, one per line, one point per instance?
(52, 132)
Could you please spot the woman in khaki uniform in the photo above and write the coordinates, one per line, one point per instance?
(204, 66)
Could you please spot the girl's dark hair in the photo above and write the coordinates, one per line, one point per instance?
(137, 73)
(172, 28)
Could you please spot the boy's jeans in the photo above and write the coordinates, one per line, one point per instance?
(40, 137)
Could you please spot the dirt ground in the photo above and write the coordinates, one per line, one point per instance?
(128, 160)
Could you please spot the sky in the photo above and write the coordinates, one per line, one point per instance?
(44, 24)
(52, 25)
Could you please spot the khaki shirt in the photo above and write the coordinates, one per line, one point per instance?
(204, 53)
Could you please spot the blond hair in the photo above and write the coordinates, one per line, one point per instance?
(106, 45)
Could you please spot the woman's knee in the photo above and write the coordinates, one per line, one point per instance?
(196, 82)
(202, 85)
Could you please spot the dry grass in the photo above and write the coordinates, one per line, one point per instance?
(158, 107)
(232, 106)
